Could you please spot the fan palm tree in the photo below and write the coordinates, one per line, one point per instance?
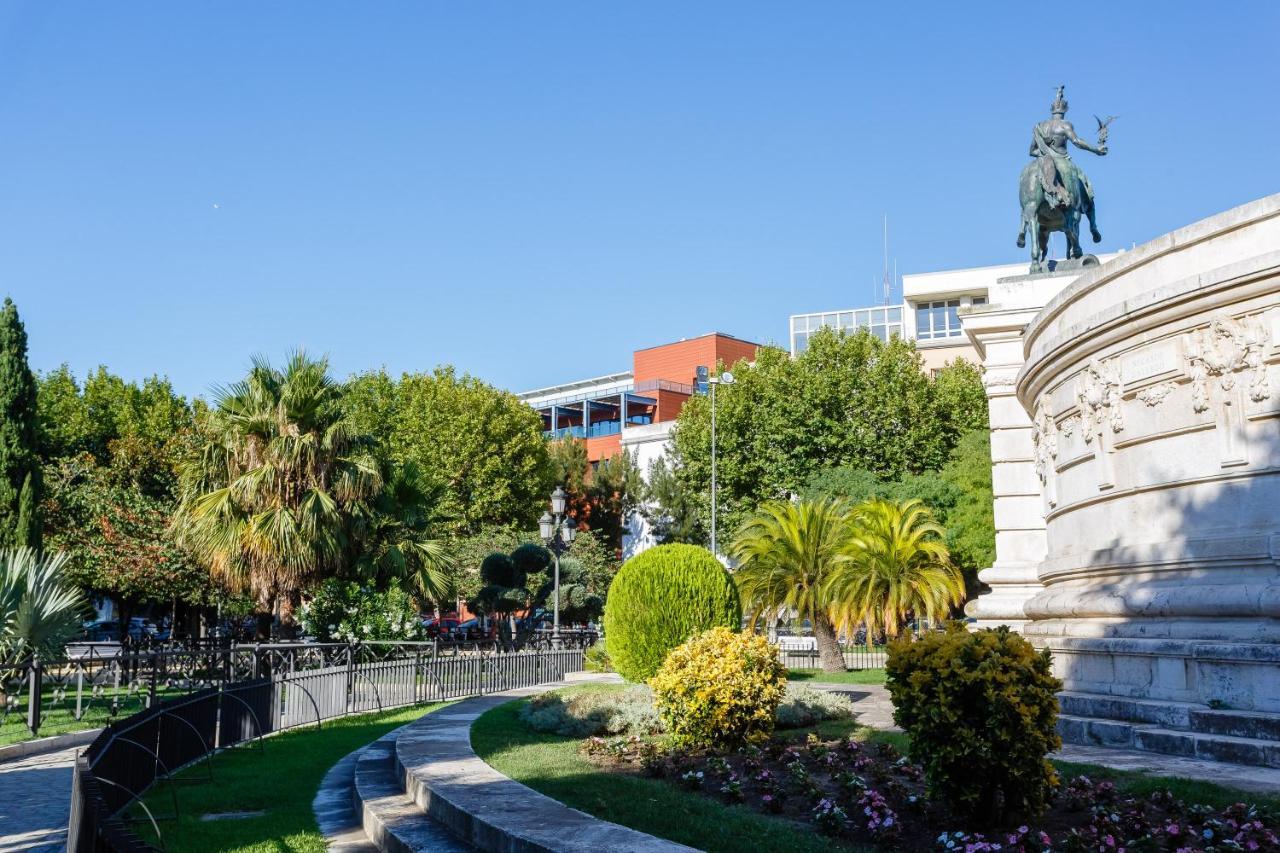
(266, 504)
(895, 563)
(393, 537)
(39, 607)
(787, 554)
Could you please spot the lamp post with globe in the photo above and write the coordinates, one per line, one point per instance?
(557, 531)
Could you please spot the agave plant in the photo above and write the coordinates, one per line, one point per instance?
(39, 609)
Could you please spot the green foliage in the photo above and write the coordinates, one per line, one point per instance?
(118, 539)
(345, 611)
(579, 600)
(787, 554)
(659, 599)
(597, 659)
(39, 607)
(805, 706)
(847, 400)
(593, 712)
(670, 508)
(895, 563)
(720, 689)
(960, 399)
(971, 529)
(599, 499)
(20, 480)
(980, 709)
(268, 503)
(483, 444)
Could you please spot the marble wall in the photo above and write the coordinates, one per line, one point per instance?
(1151, 396)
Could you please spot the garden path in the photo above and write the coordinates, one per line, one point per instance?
(35, 802)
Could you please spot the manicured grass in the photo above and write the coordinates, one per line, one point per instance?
(853, 676)
(553, 765)
(281, 780)
(58, 713)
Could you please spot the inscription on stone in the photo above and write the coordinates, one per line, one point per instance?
(1149, 361)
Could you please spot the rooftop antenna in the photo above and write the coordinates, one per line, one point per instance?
(886, 259)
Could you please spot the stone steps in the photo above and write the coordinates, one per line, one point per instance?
(1170, 728)
(391, 821)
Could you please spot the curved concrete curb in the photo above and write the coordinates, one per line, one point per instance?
(448, 781)
(334, 811)
(387, 816)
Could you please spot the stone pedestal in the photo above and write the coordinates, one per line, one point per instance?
(1154, 385)
(996, 331)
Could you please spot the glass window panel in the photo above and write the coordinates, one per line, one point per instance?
(801, 342)
(846, 320)
(923, 327)
(979, 300)
(879, 332)
(895, 315)
(953, 303)
(828, 319)
(953, 318)
(864, 319)
(937, 317)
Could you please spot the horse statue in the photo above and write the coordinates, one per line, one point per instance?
(1053, 192)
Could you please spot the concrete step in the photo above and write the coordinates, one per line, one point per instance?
(1173, 715)
(392, 821)
(1123, 734)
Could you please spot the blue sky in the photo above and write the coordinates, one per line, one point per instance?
(532, 190)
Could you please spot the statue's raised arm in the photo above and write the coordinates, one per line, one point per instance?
(1100, 149)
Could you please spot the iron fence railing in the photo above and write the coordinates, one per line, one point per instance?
(97, 683)
(132, 755)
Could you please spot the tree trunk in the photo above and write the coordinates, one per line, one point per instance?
(828, 645)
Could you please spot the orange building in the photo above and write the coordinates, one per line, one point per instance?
(661, 378)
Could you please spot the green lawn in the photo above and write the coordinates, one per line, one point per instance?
(1188, 790)
(280, 780)
(853, 676)
(58, 714)
(553, 765)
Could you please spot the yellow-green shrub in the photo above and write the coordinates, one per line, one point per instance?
(720, 689)
(980, 709)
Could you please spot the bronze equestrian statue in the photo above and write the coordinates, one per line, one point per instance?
(1053, 191)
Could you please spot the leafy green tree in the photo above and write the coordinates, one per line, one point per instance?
(960, 400)
(670, 509)
(581, 597)
(971, 529)
(894, 563)
(39, 608)
(393, 537)
(787, 555)
(20, 479)
(484, 445)
(600, 498)
(512, 585)
(267, 505)
(847, 400)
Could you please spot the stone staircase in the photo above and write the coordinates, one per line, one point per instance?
(1170, 728)
(390, 818)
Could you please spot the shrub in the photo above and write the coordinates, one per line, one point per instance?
(720, 689)
(980, 709)
(344, 610)
(804, 706)
(593, 712)
(659, 599)
(597, 659)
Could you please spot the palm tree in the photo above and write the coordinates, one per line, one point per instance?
(39, 607)
(895, 563)
(266, 504)
(393, 541)
(787, 555)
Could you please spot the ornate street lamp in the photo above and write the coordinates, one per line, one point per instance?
(725, 378)
(557, 532)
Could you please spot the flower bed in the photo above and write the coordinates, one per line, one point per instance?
(870, 794)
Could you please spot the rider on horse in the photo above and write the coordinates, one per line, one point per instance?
(1059, 174)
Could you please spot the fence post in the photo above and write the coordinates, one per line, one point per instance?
(151, 692)
(35, 688)
(351, 677)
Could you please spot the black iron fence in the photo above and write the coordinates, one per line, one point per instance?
(133, 755)
(855, 657)
(96, 683)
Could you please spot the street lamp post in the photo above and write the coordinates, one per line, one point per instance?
(725, 378)
(557, 531)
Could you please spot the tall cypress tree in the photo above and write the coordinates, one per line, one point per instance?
(20, 481)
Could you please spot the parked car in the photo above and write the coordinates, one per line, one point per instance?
(102, 629)
(443, 628)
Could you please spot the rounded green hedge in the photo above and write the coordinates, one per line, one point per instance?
(662, 597)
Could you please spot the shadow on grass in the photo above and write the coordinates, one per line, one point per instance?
(851, 676)
(280, 780)
(553, 766)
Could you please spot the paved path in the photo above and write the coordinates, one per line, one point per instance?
(35, 802)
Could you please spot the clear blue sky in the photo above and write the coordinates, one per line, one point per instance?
(530, 190)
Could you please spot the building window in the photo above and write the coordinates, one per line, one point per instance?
(936, 320)
(882, 321)
(979, 300)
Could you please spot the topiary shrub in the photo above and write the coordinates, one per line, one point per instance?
(659, 599)
(980, 709)
(720, 689)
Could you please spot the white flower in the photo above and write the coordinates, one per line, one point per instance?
(332, 628)
(367, 629)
